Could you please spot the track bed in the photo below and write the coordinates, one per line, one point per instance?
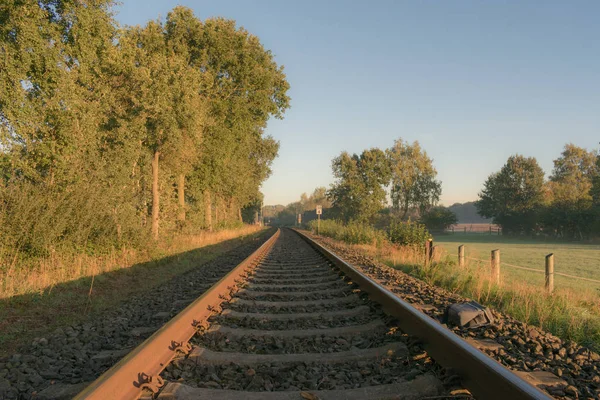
(298, 328)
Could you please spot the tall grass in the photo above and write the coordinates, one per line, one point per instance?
(37, 275)
(352, 233)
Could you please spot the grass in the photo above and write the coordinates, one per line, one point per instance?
(63, 292)
(572, 312)
(570, 258)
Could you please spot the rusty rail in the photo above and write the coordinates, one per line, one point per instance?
(140, 370)
(483, 376)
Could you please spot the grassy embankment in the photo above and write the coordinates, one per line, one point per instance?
(63, 290)
(571, 312)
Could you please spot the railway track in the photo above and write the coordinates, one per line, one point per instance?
(294, 321)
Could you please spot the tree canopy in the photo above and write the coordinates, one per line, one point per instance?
(105, 131)
(513, 196)
(413, 182)
(358, 192)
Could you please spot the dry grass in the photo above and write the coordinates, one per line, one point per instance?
(42, 275)
(95, 284)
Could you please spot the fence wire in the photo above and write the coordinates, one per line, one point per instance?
(526, 268)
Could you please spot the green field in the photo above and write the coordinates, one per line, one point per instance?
(570, 258)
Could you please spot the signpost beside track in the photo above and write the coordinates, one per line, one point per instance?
(319, 212)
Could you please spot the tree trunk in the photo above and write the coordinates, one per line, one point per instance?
(231, 210)
(240, 214)
(155, 196)
(405, 210)
(217, 201)
(208, 211)
(181, 197)
(118, 225)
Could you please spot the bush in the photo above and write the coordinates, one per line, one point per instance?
(351, 233)
(408, 233)
(438, 218)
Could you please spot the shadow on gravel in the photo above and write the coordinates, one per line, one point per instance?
(25, 317)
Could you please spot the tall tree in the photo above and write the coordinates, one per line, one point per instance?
(514, 195)
(413, 182)
(358, 192)
(570, 213)
(246, 89)
(168, 92)
(101, 126)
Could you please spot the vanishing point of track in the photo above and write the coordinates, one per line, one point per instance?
(294, 321)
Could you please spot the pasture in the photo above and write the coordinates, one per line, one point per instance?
(577, 259)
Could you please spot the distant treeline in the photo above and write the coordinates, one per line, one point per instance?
(363, 183)
(110, 135)
(518, 197)
(466, 213)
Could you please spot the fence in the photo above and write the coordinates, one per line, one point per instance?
(489, 229)
(494, 262)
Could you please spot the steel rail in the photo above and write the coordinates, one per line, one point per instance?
(482, 375)
(140, 369)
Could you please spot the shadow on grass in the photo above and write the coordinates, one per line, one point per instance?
(25, 317)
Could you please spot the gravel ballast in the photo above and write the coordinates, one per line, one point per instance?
(62, 363)
(523, 348)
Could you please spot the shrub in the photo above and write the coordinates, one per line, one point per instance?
(351, 233)
(408, 233)
(438, 218)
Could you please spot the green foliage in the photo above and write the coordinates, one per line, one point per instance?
(358, 191)
(567, 206)
(86, 106)
(514, 196)
(413, 178)
(288, 215)
(570, 213)
(438, 218)
(408, 233)
(351, 233)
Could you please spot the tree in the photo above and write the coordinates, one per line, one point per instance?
(358, 192)
(319, 197)
(168, 91)
(102, 127)
(438, 218)
(570, 212)
(246, 88)
(413, 182)
(514, 195)
(595, 191)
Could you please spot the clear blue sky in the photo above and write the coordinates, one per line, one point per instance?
(472, 81)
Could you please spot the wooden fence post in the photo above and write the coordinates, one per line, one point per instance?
(428, 251)
(550, 273)
(461, 255)
(496, 266)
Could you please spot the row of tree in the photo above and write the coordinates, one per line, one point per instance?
(107, 133)
(362, 182)
(567, 205)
